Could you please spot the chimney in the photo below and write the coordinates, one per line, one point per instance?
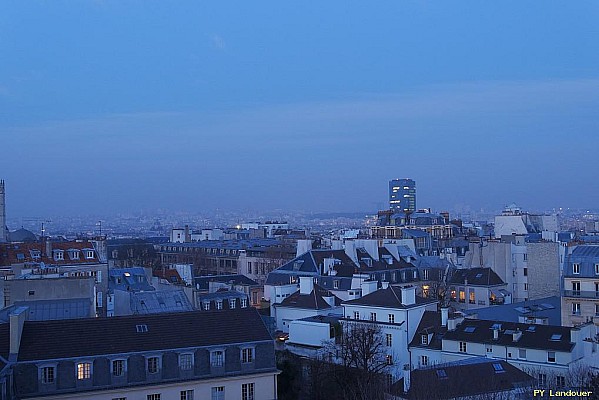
(517, 335)
(330, 300)
(408, 295)
(303, 246)
(385, 284)
(17, 319)
(187, 235)
(306, 284)
(453, 323)
(48, 248)
(406, 378)
(369, 287)
(444, 315)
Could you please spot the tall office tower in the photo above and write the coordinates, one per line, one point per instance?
(402, 195)
(3, 235)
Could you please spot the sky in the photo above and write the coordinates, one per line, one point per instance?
(110, 106)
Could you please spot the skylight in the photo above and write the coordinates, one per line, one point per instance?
(556, 336)
(531, 328)
(441, 374)
(141, 328)
(498, 367)
(469, 329)
(479, 276)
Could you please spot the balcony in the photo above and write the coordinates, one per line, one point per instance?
(585, 294)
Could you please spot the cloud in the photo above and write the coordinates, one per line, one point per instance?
(218, 42)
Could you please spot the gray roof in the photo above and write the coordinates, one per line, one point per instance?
(389, 297)
(476, 277)
(44, 310)
(120, 335)
(238, 279)
(548, 307)
(131, 279)
(159, 302)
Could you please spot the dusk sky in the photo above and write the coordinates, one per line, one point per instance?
(110, 106)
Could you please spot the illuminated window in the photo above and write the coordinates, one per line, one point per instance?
(48, 374)
(217, 358)
(186, 362)
(84, 371)
(247, 355)
(247, 391)
(153, 365)
(118, 367)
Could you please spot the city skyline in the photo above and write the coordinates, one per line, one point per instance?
(325, 104)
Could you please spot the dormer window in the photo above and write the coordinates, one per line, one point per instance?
(576, 268)
(232, 303)
(73, 254)
(206, 305)
(58, 255)
(424, 340)
(35, 254)
(336, 284)
(219, 304)
(89, 254)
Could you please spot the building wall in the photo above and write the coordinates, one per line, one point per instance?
(543, 270)
(264, 388)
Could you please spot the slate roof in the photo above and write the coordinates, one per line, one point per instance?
(476, 277)
(131, 279)
(547, 307)
(4, 344)
(586, 256)
(16, 253)
(118, 335)
(312, 301)
(467, 378)
(430, 324)
(543, 337)
(238, 279)
(390, 297)
(161, 301)
(43, 310)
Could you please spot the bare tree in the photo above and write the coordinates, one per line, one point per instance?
(362, 357)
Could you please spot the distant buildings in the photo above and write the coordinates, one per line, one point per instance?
(402, 195)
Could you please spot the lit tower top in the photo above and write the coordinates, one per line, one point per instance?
(402, 195)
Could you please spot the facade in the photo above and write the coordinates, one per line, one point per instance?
(477, 287)
(580, 298)
(396, 311)
(310, 300)
(228, 257)
(402, 195)
(212, 355)
(549, 353)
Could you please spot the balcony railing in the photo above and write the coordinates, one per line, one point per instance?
(586, 294)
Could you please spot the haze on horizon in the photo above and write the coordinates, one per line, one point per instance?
(110, 105)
